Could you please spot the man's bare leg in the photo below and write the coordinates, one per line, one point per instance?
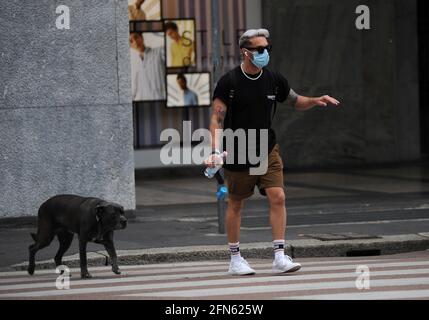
(233, 220)
(282, 263)
(238, 265)
(276, 197)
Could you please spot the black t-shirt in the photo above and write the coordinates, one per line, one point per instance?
(252, 104)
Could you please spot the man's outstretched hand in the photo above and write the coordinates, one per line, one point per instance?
(305, 103)
(323, 101)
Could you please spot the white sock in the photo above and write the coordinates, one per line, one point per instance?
(279, 249)
(234, 249)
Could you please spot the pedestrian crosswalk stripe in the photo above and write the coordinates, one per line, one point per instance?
(133, 270)
(196, 280)
(375, 295)
(136, 270)
(182, 264)
(211, 292)
(290, 278)
(123, 267)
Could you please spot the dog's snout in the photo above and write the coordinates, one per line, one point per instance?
(123, 222)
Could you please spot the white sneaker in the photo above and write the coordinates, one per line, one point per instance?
(240, 267)
(285, 265)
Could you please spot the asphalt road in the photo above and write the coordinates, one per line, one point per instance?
(196, 224)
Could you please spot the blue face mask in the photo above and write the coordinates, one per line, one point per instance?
(261, 60)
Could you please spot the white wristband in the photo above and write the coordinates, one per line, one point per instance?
(216, 151)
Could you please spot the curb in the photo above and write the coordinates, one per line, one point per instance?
(384, 245)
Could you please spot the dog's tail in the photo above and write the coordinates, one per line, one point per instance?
(34, 236)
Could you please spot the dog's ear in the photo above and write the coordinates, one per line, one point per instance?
(99, 209)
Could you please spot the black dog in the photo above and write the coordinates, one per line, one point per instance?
(92, 219)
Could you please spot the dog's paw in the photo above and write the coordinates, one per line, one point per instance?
(85, 275)
(31, 268)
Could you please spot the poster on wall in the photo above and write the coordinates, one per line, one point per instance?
(147, 54)
(188, 90)
(193, 24)
(180, 42)
(144, 10)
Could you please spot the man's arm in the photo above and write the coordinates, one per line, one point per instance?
(305, 103)
(302, 103)
(216, 122)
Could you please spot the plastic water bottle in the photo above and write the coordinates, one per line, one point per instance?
(210, 172)
(221, 193)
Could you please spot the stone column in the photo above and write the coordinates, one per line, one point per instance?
(65, 103)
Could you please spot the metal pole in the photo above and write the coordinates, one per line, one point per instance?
(216, 62)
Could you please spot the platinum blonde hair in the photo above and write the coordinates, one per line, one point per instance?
(245, 38)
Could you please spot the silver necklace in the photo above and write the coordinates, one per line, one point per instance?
(241, 67)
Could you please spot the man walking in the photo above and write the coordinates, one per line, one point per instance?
(245, 98)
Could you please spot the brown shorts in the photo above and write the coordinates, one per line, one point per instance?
(241, 184)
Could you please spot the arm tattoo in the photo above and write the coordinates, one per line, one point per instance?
(292, 98)
(220, 115)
